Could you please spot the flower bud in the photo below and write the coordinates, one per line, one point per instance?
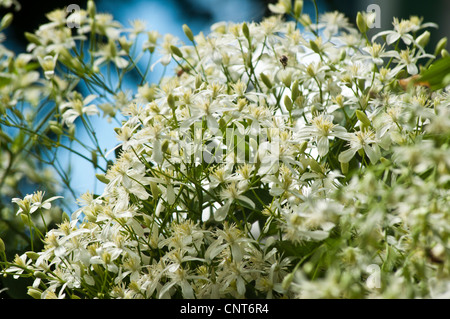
(40, 274)
(34, 293)
(198, 81)
(6, 21)
(24, 218)
(188, 32)
(314, 110)
(315, 166)
(165, 146)
(32, 38)
(423, 39)
(91, 8)
(171, 101)
(266, 80)
(287, 281)
(94, 158)
(303, 147)
(313, 45)
(298, 7)
(285, 76)
(363, 118)
(32, 255)
(305, 20)
(440, 46)
(344, 167)
(342, 55)
(2, 246)
(361, 152)
(102, 178)
(175, 50)
(295, 92)
(361, 23)
(56, 129)
(246, 31)
(288, 103)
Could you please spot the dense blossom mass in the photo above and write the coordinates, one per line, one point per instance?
(284, 158)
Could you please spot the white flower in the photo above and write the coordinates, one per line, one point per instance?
(232, 193)
(110, 53)
(362, 140)
(333, 22)
(76, 107)
(401, 31)
(32, 202)
(409, 59)
(48, 64)
(281, 7)
(376, 53)
(320, 131)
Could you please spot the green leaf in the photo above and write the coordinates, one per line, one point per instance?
(296, 250)
(5, 79)
(436, 74)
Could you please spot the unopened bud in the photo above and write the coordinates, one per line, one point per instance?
(94, 158)
(188, 32)
(288, 103)
(423, 39)
(165, 146)
(266, 80)
(91, 8)
(32, 38)
(175, 50)
(34, 293)
(32, 255)
(295, 92)
(344, 167)
(198, 81)
(2, 246)
(313, 45)
(6, 21)
(298, 7)
(361, 23)
(287, 281)
(40, 274)
(56, 129)
(363, 118)
(24, 218)
(315, 166)
(342, 55)
(102, 178)
(171, 101)
(440, 46)
(303, 147)
(246, 31)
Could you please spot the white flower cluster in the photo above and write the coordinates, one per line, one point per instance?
(276, 162)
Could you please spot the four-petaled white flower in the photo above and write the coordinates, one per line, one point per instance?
(77, 107)
(321, 130)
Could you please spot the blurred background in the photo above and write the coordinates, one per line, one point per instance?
(168, 16)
